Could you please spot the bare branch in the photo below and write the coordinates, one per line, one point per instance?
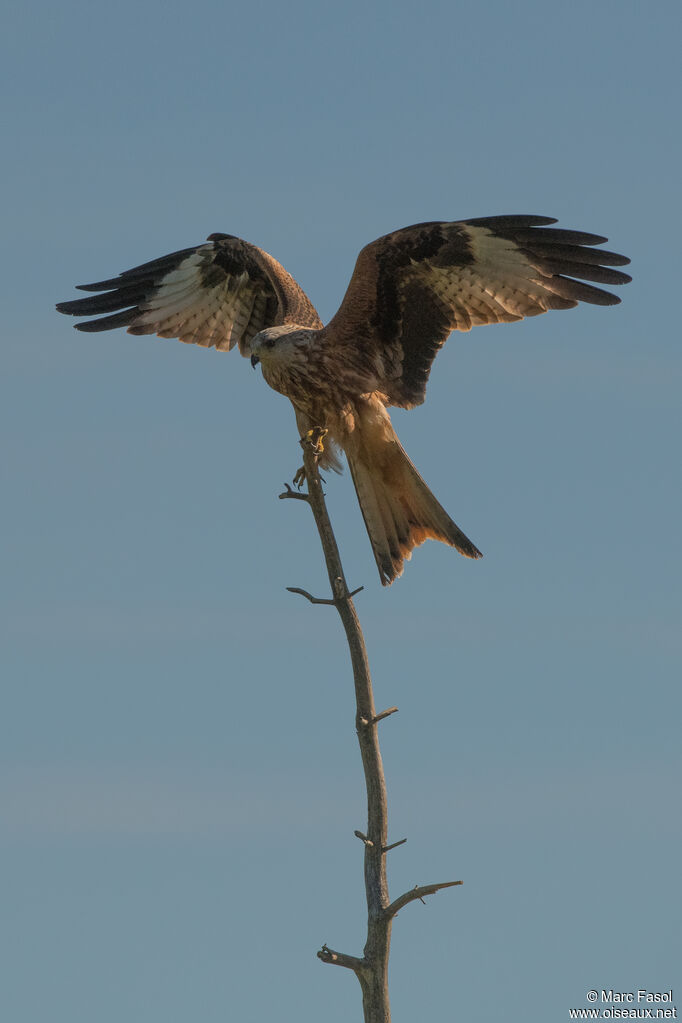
(309, 596)
(372, 969)
(294, 495)
(374, 975)
(387, 848)
(380, 717)
(328, 955)
(418, 892)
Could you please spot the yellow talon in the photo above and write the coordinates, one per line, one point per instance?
(314, 437)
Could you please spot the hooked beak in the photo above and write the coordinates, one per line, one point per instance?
(254, 361)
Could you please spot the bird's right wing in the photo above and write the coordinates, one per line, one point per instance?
(411, 288)
(218, 295)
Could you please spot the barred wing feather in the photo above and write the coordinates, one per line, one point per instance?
(217, 295)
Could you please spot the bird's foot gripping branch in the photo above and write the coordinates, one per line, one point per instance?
(313, 440)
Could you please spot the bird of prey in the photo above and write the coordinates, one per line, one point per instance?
(410, 289)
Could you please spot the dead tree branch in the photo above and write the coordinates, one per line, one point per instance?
(372, 969)
(418, 892)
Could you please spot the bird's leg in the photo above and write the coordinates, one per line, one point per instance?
(314, 438)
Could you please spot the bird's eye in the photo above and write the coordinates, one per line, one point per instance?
(270, 343)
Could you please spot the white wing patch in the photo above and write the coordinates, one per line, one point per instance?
(502, 285)
(184, 307)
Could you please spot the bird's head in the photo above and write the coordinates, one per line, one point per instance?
(277, 344)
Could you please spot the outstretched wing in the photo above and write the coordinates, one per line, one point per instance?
(218, 294)
(411, 288)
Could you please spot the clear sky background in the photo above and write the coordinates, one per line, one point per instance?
(180, 778)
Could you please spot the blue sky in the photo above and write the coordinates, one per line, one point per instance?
(180, 780)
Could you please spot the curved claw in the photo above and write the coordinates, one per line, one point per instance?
(315, 437)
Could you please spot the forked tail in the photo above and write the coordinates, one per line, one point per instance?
(399, 510)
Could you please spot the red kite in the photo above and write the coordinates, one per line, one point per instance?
(409, 291)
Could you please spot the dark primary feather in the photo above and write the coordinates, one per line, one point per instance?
(217, 294)
(409, 290)
(153, 270)
(412, 287)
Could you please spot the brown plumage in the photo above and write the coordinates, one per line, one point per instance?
(409, 291)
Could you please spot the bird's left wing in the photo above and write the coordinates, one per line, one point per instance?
(218, 295)
(411, 288)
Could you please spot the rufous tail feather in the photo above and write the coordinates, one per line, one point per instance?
(399, 510)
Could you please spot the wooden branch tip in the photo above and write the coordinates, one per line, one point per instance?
(328, 955)
(309, 596)
(363, 838)
(384, 714)
(418, 892)
(387, 848)
(293, 494)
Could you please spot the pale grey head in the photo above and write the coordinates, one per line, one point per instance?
(277, 344)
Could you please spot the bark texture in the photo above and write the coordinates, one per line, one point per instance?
(371, 968)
